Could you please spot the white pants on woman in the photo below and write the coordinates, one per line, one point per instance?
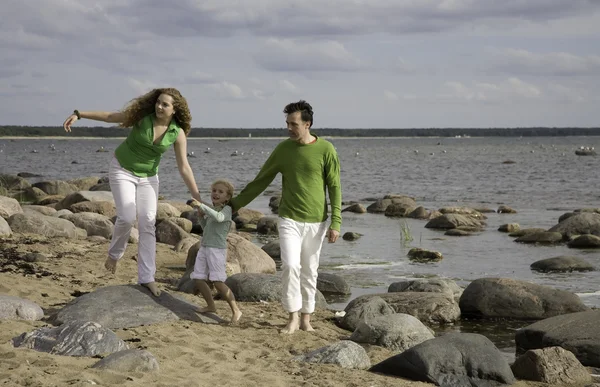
(134, 196)
(300, 249)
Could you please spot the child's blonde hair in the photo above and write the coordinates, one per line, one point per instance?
(227, 185)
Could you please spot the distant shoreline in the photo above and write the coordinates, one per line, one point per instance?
(13, 132)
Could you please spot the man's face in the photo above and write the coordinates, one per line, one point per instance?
(297, 129)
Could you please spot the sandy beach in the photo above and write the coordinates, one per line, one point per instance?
(191, 354)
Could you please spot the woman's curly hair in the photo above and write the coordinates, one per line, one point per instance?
(140, 107)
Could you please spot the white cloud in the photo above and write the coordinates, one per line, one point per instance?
(288, 86)
(141, 86)
(520, 61)
(299, 56)
(390, 95)
(524, 89)
(228, 90)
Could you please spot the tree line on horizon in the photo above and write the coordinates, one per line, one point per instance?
(99, 131)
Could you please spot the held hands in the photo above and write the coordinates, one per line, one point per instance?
(69, 121)
(196, 205)
(332, 235)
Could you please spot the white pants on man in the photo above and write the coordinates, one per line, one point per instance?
(300, 250)
(134, 196)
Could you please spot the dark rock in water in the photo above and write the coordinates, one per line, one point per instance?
(74, 162)
(129, 360)
(332, 284)
(273, 249)
(562, 264)
(576, 332)
(77, 338)
(351, 236)
(509, 298)
(452, 360)
(423, 255)
(586, 241)
(542, 238)
(28, 174)
(127, 306)
(579, 224)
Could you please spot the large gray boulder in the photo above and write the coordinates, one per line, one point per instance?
(126, 306)
(452, 360)
(15, 308)
(428, 285)
(449, 221)
(586, 241)
(363, 309)
(84, 196)
(332, 284)
(579, 224)
(55, 187)
(345, 354)
(48, 226)
(9, 207)
(509, 298)
(397, 332)
(92, 223)
(129, 360)
(555, 366)
(76, 338)
(256, 287)
(435, 308)
(13, 183)
(575, 332)
(5, 230)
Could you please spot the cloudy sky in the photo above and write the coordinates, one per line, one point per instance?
(361, 63)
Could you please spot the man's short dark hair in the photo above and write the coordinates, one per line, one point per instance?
(303, 107)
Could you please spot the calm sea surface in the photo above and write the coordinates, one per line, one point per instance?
(546, 180)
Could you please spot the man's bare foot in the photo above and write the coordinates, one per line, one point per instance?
(153, 288)
(305, 323)
(206, 310)
(111, 265)
(293, 324)
(235, 317)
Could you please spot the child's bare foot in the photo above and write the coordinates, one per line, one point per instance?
(206, 310)
(235, 317)
(111, 265)
(153, 288)
(292, 325)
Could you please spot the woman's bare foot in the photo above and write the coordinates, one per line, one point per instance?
(305, 323)
(206, 310)
(111, 265)
(153, 288)
(235, 317)
(293, 324)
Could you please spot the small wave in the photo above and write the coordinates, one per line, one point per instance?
(370, 265)
(590, 294)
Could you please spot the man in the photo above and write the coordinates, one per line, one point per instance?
(308, 165)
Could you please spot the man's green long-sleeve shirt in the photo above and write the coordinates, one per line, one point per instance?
(308, 170)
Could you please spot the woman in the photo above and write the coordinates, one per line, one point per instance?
(158, 119)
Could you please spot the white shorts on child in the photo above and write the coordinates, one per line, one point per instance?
(210, 264)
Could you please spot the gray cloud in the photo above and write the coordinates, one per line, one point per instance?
(519, 61)
(299, 56)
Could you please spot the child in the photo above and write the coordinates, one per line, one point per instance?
(212, 255)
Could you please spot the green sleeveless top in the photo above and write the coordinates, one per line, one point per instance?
(138, 154)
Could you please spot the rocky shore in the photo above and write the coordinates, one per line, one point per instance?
(65, 321)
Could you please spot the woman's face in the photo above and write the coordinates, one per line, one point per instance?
(164, 106)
